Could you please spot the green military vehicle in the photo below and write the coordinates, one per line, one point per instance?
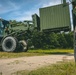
(9, 35)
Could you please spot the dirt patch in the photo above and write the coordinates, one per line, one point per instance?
(8, 66)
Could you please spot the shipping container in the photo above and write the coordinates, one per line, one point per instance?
(55, 18)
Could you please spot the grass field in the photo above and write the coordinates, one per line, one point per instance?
(64, 68)
(35, 53)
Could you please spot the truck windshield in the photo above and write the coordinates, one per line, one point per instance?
(1, 29)
(5, 23)
(1, 25)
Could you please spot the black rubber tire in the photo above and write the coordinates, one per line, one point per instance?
(9, 44)
(23, 45)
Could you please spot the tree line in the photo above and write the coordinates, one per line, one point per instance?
(41, 40)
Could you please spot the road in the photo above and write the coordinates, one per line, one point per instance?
(8, 66)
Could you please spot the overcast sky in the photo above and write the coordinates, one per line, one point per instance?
(23, 9)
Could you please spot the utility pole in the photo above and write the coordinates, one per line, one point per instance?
(74, 24)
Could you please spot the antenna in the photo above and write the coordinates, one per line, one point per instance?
(63, 2)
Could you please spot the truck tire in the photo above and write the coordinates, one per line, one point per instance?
(24, 45)
(9, 44)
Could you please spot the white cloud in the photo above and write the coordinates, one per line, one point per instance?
(13, 5)
(51, 3)
(27, 15)
(10, 6)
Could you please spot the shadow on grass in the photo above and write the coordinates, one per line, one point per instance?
(60, 53)
(57, 53)
(70, 54)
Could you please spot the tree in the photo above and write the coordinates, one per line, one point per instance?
(53, 38)
(69, 39)
(62, 40)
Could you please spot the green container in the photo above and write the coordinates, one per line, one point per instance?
(55, 18)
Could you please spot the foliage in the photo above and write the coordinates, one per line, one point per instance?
(52, 40)
(69, 38)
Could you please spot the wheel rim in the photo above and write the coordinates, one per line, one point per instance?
(8, 44)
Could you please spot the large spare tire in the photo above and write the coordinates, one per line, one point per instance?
(23, 45)
(9, 44)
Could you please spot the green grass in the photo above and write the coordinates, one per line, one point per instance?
(16, 55)
(64, 68)
(53, 51)
(35, 53)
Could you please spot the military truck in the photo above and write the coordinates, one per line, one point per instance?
(9, 37)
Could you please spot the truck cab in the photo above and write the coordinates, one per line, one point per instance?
(3, 27)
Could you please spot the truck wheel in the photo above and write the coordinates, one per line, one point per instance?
(24, 45)
(9, 44)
